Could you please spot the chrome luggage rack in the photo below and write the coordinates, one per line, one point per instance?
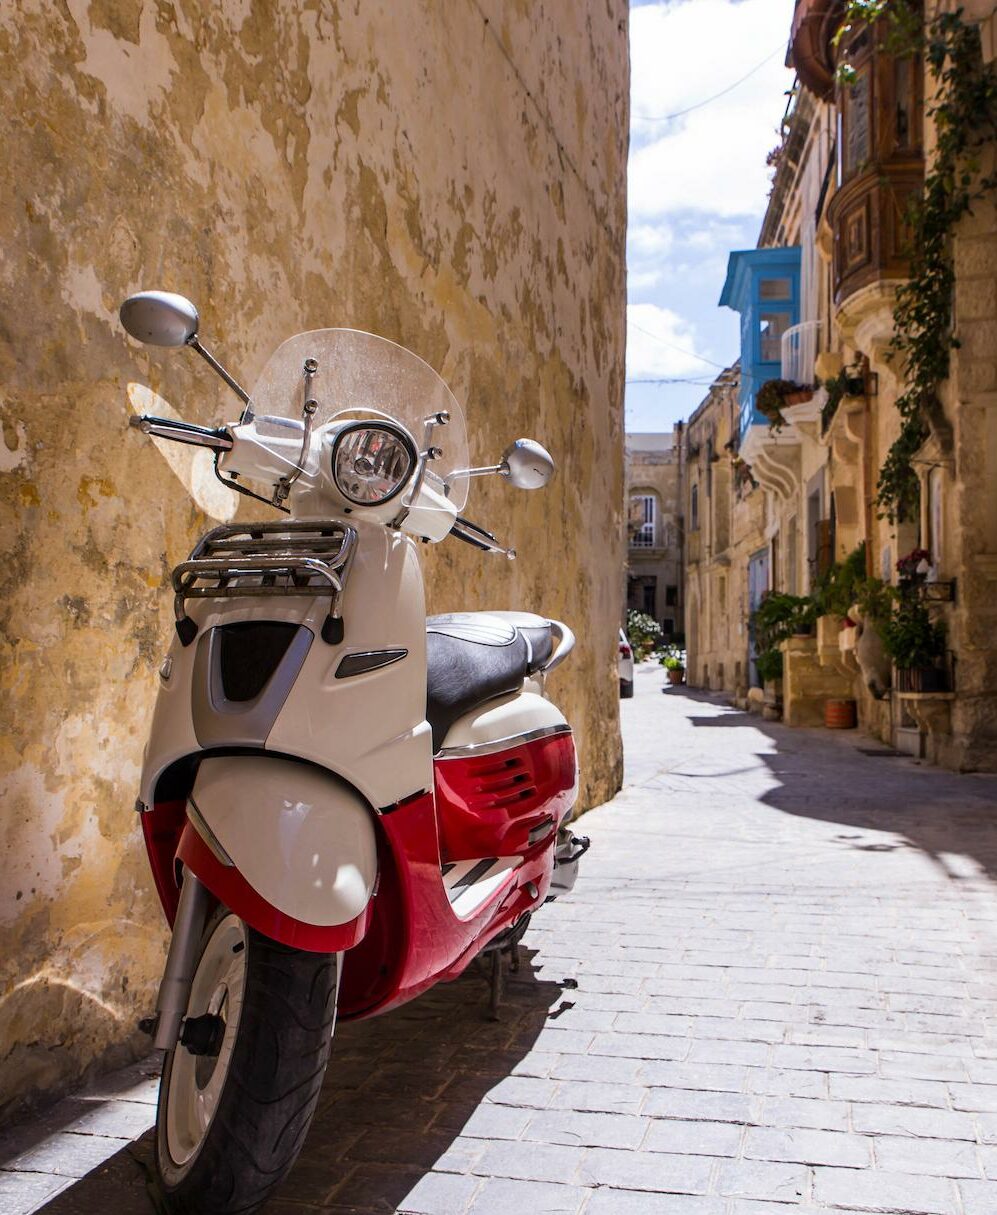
(235, 561)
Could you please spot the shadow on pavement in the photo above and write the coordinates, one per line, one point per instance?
(941, 813)
(399, 1090)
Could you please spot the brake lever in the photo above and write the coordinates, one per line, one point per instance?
(182, 432)
(477, 537)
(475, 527)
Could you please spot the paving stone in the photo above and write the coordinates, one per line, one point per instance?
(693, 1138)
(881, 1191)
(693, 1104)
(977, 1197)
(910, 1120)
(500, 1196)
(762, 1179)
(878, 1090)
(979, 1097)
(606, 1069)
(713, 1077)
(529, 1161)
(485, 1122)
(599, 1098)
(769, 1083)
(579, 1129)
(440, 1194)
(655, 1171)
(804, 1146)
(606, 1201)
(801, 1112)
(66, 1155)
(22, 1193)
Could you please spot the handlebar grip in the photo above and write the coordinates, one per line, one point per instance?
(182, 432)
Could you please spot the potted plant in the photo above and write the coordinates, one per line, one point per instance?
(776, 395)
(916, 646)
(780, 616)
(769, 666)
(675, 669)
(674, 664)
(913, 568)
(643, 631)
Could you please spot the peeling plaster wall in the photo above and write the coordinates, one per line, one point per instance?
(450, 175)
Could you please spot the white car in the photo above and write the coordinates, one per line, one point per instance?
(626, 667)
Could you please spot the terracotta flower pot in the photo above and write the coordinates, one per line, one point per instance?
(676, 676)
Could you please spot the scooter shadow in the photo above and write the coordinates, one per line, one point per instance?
(400, 1091)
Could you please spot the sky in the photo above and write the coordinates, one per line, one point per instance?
(697, 185)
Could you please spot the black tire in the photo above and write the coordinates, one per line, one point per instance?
(626, 689)
(268, 1097)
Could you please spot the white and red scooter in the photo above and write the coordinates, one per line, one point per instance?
(343, 802)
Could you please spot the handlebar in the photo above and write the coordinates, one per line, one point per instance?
(182, 432)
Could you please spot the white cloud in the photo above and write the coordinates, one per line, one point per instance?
(649, 240)
(661, 344)
(713, 159)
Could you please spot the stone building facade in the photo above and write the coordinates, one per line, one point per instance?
(449, 176)
(725, 516)
(654, 531)
(817, 299)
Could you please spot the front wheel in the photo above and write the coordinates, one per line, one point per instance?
(236, 1103)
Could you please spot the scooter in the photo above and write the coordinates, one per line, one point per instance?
(343, 802)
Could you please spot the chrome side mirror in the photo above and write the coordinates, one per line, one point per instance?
(527, 465)
(159, 318)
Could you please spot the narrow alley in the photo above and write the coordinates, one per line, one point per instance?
(773, 989)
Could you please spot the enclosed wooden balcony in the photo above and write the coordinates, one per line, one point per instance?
(810, 44)
(880, 166)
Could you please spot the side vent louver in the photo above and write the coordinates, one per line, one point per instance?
(501, 783)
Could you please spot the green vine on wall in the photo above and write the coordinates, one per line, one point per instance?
(965, 118)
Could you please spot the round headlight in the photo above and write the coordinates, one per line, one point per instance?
(370, 464)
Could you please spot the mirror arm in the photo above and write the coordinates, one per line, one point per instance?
(501, 470)
(215, 366)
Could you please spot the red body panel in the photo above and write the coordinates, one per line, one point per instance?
(230, 888)
(409, 936)
(489, 805)
(415, 939)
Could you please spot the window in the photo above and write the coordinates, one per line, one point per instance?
(694, 509)
(771, 327)
(671, 596)
(644, 510)
(775, 289)
(935, 533)
(649, 593)
(855, 129)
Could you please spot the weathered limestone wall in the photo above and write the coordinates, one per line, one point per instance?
(448, 175)
(969, 508)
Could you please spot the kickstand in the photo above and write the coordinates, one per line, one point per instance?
(514, 958)
(495, 996)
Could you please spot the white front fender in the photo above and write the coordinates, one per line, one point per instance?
(303, 839)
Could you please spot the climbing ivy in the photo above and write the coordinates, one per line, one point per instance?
(965, 118)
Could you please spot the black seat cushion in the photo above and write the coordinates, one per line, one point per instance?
(474, 657)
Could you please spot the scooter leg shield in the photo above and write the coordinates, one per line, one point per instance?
(289, 848)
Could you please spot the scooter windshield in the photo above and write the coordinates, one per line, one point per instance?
(357, 375)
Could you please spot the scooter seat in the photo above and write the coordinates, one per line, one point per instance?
(475, 656)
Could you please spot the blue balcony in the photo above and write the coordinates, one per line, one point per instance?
(763, 285)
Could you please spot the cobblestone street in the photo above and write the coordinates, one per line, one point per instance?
(774, 989)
